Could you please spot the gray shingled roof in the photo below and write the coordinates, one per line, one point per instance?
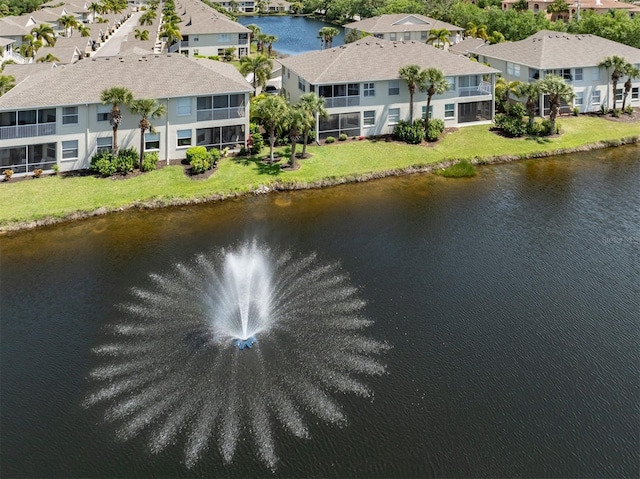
(20, 72)
(9, 27)
(149, 76)
(547, 49)
(372, 59)
(203, 19)
(393, 23)
(466, 46)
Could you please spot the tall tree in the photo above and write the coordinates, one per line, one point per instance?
(141, 34)
(270, 40)
(313, 105)
(295, 122)
(269, 112)
(253, 31)
(95, 7)
(171, 31)
(84, 30)
(617, 66)
(440, 36)
(147, 109)
(44, 32)
(30, 46)
(503, 91)
(632, 73)
(68, 22)
(7, 82)
(435, 83)
(558, 90)
(327, 34)
(477, 31)
(259, 66)
(414, 76)
(531, 94)
(116, 96)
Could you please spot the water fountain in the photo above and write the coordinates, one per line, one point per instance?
(234, 343)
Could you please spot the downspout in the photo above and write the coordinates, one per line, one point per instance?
(166, 135)
(86, 135)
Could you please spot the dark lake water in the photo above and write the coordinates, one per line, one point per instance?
(511, 302)
(295, 34)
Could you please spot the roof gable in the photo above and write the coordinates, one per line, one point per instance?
(412, 20)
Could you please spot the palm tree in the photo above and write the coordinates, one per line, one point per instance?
(531, 93)
(172, 32)
(439, 36)
(68, 22)
(147, 17)
(270, 40)
(558, 90)
(414, 76)
(476, 31)
(259, 65)
(48, 58)
(434, 83)
(141, 34)
(269, 112)
(313, 105)
(295, 121)
(618, 66)
(260, 40)
(30, 46)
(254, 30)
(632, 73)
(503, 91)
(95, 7)
(495, 37)
(116, 96)
(84, 30)
(327, 34)
(7, 82)
(44, 32)
(147, 109)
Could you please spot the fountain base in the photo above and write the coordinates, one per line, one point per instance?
(244, 343)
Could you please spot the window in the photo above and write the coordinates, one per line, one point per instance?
(152, 141)
(595, 97)
(618, 94)
(449, 110)
(452, 83)
(184, 138)
(423, 36)
(578, 100)
(70, 149)
(104, 112)
(369, 118)
(69, 115)
(301, 84)
(369, 89)
(394, 116)
(183, 107)
(634, 93)
(394, 87)
(407, 36)
(513, 69)
(224, 37)
(392, 36)
(595, 74)
(47, 116)
(220, 107)
(578, 74)
(424, 111)
(104, 144)
(196, 51)
(195, 38)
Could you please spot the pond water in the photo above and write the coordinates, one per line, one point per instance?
(295, 34)
(509, 302)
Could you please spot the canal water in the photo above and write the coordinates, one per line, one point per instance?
(295, 34)
(509, 301)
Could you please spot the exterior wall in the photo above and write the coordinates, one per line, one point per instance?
(88, 130)
(209, 44)
(422, 36)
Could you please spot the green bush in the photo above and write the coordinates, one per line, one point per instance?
(255, 143)
(434, 132)
(545, 128)
(512, 123)
(459, 170)
(329, 139)
(126, 160)
(214, 57)
(103, 166)
(149, 161)
(412, 134)
(343, 137)
(628, 109)
(202, 160)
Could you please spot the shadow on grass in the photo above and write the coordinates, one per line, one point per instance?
(540, 140)
(263, 167)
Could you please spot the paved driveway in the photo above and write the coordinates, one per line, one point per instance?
(112, 45)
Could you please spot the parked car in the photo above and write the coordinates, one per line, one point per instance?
(271, 90)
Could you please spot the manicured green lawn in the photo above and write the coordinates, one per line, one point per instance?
(57, 196)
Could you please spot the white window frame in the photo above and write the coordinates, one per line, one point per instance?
(69, 146)
(513, 69)
(183, 135)
(104, 112)
(151, 138)
(394, 87)
(449, 111)
(369, 118)
(423, 36)
(424, 110)
(595, 74)
(369, 89)
(69, 115)
(578, 100)
(302, 85)
(452, 83)
(578, 74)
(619, 94)
(596, 97)
(393, 117)
(406, 36)
(184, 106)
(224, 38)
(393, 36)
(635, 93)
(101, 143)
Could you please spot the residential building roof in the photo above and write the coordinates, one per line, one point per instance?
(10, 27)
(549, 49)
(202, 19)
(466, 46)
(372, 59)
(147, 76)
(401, 22)
(20, 72)
(64, 53)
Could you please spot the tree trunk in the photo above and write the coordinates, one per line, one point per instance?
(272, 141)
(142, 130)
(615, 88)
(115, 140)
(426, 116)
(411, 105)
(305, 140)
(553, 112)
(292, 158)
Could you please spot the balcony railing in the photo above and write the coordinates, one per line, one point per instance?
(342, 101)
(25, 131)
(221, 113)
(480, 90)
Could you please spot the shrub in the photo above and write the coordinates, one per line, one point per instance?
(56, 169)
(512, 123)
(343, 137)
(7, 174)
(214, 57)
(254, 128)
(412, 134)
(37, 172)
(545, 128)
(459, 170)
(202, 160)
(103, 165)
(628, 109)
(126, 160)
(255, 143)
(616, 112)
(436, 127)
(149, 161)
(576, 111)
(329, 139)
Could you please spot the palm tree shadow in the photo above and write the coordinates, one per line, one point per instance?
(263, 168)
(539, 139)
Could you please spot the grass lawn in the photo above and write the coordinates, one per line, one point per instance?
(57, 196)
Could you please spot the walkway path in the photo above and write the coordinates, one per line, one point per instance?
(112, 46)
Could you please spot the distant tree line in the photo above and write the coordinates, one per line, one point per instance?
(19, 7)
